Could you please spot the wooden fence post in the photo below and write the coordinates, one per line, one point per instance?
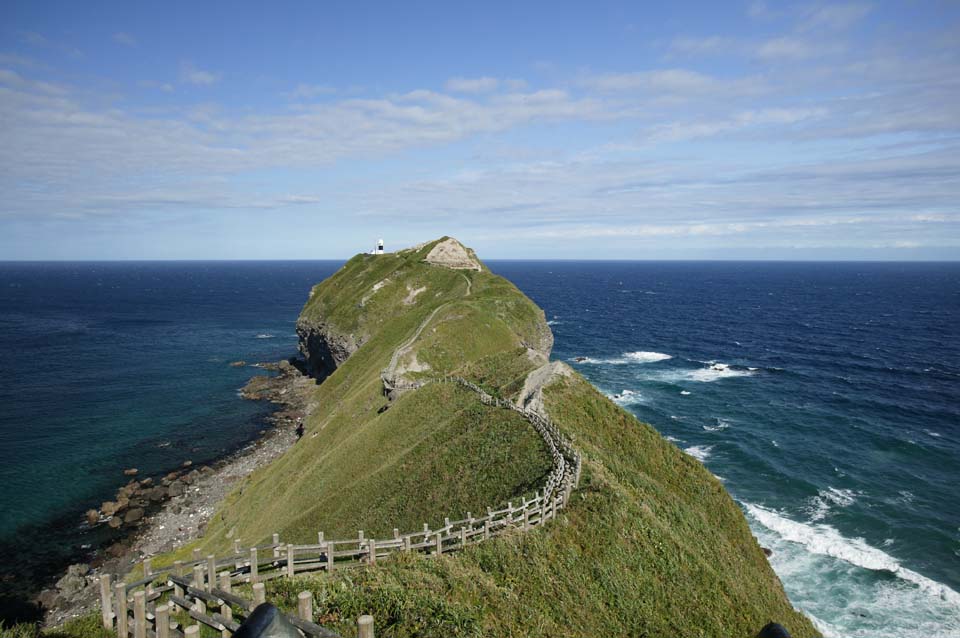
(211, 571)
(198, 576)
(372, 547)
(463, 538)
(320, 538)
(365, 627)
(225, 609)
(330, 556)
(396, 533)
(526, 519)
(163, 621)
(238, 559)
(106, 601)
(439, 544)
(120, 601)
(291, 568)
(259, 595)
(139, 614)
(305, 605)
(406, 543)
(196, 554)
(276, 545)
(254, 567)
(486, 529)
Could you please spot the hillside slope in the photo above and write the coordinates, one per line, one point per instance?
(651, 544)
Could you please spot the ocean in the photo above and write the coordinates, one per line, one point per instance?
(826, 397)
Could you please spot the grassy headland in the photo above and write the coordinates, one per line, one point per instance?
(651, 544)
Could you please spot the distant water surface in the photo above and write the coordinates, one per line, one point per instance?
(825, 396)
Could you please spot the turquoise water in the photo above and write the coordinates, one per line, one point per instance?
(825, 396)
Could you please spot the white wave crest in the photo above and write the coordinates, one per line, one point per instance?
(642, 356)
(699, 452)
(719, 427)
(717, 371)
(820, 505)
(825, 540)
(625, 358)
(627, 397)
(684, 393)
(264, 335)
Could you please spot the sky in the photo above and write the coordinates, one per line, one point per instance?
(541, 130)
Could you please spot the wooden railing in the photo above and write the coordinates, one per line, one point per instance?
(197, 584)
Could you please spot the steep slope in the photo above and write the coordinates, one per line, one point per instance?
(650, 545)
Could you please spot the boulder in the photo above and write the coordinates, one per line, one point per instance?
(175, 488)
(147, 482)
(131, 471)
(109, 508)
(238, 364)
(115, 522)
(93, 517)
(187, 463)
(133, 515)
(73, 581)
(157, 494)
(47, 598)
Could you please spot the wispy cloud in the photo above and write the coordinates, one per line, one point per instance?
(305, 91)
(472, 85)
(191, 74)
(125, 39)
(834, 16)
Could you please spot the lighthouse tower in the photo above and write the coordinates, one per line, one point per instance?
(379, 250)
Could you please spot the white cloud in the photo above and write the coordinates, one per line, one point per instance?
(309, 91)
(125, 39)
(472, 85)
(794, 48)
(166, 87)
(835, 17)
(190, 74)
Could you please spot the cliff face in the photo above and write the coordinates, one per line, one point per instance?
(323, 347)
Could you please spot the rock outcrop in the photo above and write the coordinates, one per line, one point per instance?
(323, 347)
(450, 253)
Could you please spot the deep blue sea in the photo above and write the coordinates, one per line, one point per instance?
(826, 397)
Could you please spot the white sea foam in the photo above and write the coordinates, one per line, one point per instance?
(673, 439)
(627, 397)
(642, 356)
(553, 322)
(264, 335)
(933, 434)
(717, 371)
(820, 505)
(718, 427)
(825, 540)
(699, 452)
(625, 358)
(684, 393)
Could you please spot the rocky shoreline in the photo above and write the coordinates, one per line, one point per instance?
(161, 514)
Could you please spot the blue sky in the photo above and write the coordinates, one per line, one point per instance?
(230, 130)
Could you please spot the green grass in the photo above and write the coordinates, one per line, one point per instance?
(88, 626)
(651, 544)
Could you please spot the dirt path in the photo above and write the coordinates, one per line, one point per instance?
(389, 374)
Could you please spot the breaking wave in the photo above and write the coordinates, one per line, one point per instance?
(640, 356)
(819, 538)
(699, 452)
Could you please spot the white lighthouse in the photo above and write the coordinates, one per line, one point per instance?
(379, 250)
